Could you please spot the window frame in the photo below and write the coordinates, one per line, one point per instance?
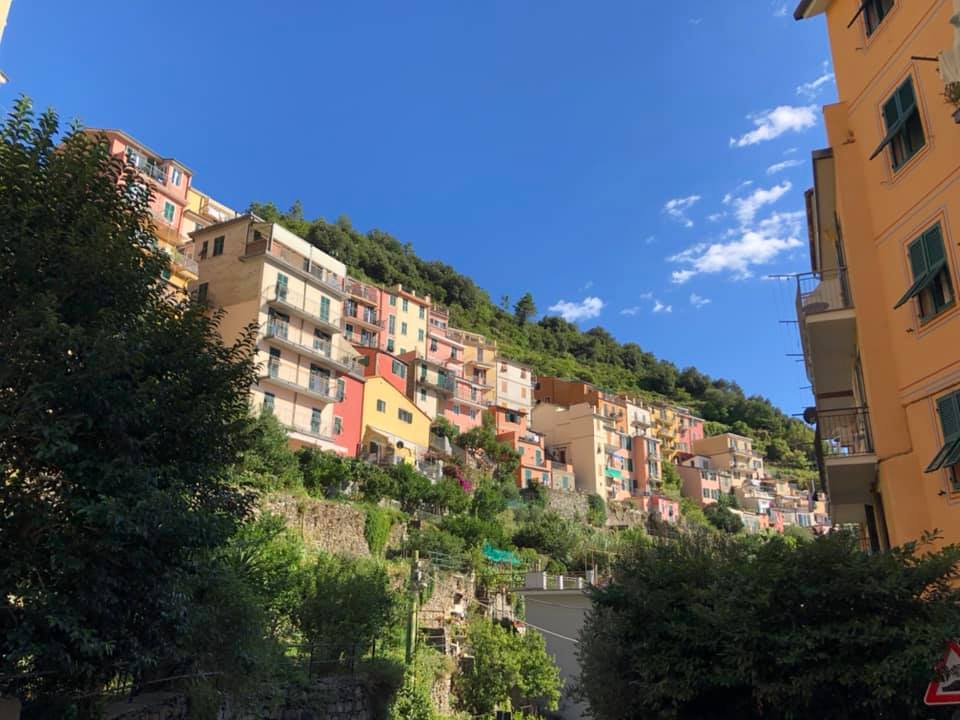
(897, 130)
(932, 278)
(170, 216)
(218, 245)
(381, 406)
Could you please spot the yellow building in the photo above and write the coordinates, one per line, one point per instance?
(404, 315)
(202, 211)
(878, 313)
(394, 428)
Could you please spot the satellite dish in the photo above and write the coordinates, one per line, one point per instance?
(810, 415)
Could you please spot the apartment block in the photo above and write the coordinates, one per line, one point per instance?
(514, 384)
(362, 321)
(404, 321)
(877, 312)
(394, 430)
(169, 182)
(733, 452)
(201, 211)
(264, 275)
(377, 363)
(536, 468)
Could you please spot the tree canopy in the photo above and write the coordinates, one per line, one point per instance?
(712, 626)
(121, 412)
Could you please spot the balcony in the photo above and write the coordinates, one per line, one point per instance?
(260, 244)
(360, 316)
(846, 453)
(282, 300)
(486, 358)
(828, 329)
(317, 387)
(443, 383)
(148, 167)
(280, 333)
(183, 263)
(362, 291)
(314, 430)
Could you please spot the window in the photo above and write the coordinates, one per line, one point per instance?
(932, 286)
(268, 402)
(338, 426)
(471, 413)
(273, 365)
(203, 249)
(381, 406)
(420, 335)
(406, 305)
(202, 290)
(706, 493)
(393, 300)
(545, 478)
(315, 417)
(176, 176)
(423, 395)
(901, 118)
(523, 374)
(422, 312)
(390, 345)
(399, 369)
(453, 353)
(503, 367)
(539, 457)
(169, 211)
(528, 475)
(325, 309)
(348, 331)
(405, 416)
(455, 409)
(948, 408)
(513, 417)
(392, 324)
(433, 345)
(403, 328)
(341, 390)
(218, 246)
(874, 12)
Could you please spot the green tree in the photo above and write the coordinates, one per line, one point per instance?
(524, 309)
(717, 626)
(121, 412)
(671, 480)
(506, 664)
(723, 518)
(268, 463)
(596, 510)
(550, 534)
(349, 605)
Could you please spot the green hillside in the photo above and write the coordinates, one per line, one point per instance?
(552, 345)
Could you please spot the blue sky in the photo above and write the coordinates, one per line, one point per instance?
(634, 164)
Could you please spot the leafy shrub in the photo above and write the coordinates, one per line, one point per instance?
(431, 539)
(596, 510)
(550, 534)
(376, 528)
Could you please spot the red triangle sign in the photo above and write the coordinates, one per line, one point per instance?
(946, 691)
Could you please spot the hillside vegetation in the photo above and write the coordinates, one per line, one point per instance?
(553, 346)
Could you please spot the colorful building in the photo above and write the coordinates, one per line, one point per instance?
(404, 321)
(362, 320)
(876, 313)
(733, 452)
(699, 482)
(377, 363)
(394, 430)
(310, 377)
(535, 467)
(201, 211)
(514, 384)
(168, 181)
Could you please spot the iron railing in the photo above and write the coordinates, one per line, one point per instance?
(845, 432)
(819, 292)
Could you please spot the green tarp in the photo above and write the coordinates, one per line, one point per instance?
(500, 556)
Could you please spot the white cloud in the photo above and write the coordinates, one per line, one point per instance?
(678, 207)
(754, 244)
(659, 307)
(746, 208)
(781, 10)
(771, 124)
(646, 296)
(588, 308)
(784, 165)
(650, 240)
(810, 90)
(789, 151)
(587, 285)
(635, 310)
(698, 302)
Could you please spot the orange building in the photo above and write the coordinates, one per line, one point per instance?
(878, 314)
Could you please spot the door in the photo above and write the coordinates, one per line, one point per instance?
(282, 281)
(319, 378)
(273, 365)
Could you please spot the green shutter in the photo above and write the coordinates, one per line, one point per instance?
(891, 113)
(896, 111)
(949, 410)
(927, 260)
(918, 261)
(341, 390)
(906, 98)
(933, 244)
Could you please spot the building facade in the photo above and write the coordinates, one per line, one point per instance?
(394, 429)
(262, 274)
(515, 385)
(169, 182)
(878, 312)
(731, 452)
(404, 321)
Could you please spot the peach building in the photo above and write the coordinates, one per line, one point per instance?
(403, 315)
(514, 383)
(511, 427)
(264, 275)
(878, 314)
(362, 322)
(731, 452)
(168, 181)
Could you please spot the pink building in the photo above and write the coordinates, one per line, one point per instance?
(377, 363)
(348, 415)
(699, 483)
(689, 430)
(660, 507)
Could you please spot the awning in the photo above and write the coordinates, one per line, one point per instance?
(922, 283)
(613, 473)
(394, 441)
(500, 556)
(949, 455)
(950, 59)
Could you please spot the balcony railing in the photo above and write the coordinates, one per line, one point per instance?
(148, 168)
(820, 292)
(182, 262)
(444, 382)
(846, 432)
(316, 429)
(296, 303)
(361, 290)
(281, 331)
(358, 315)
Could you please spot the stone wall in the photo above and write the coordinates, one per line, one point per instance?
(336, 528)
(567, 504)
(624, 515)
